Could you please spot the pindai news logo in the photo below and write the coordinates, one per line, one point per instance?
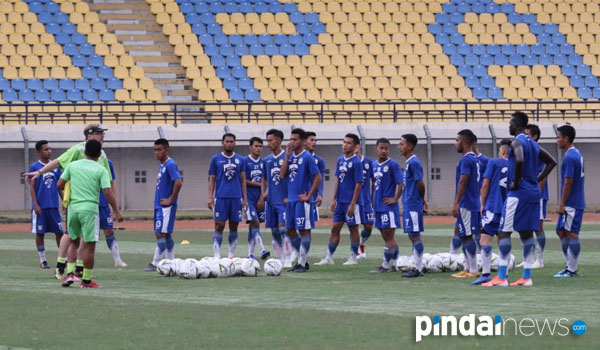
(486, 326)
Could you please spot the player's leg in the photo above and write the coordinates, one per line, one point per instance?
(528, 251)
(413, 225)
(272, 223)
(527, 220)
(353, 222)
(390, 247)
(334, 240)
(90, 234)
(61, 260)
(106, 224)
(367, 229)
(71, 246)
(55, 225)
(486, 257)
(252, 226)
(235, 217)
(264, 253)
(38, 229)
(292, 233)
(467, 224)
(161, 242)
(541, 237)
(168, 229)
(41, 249)
(569, 225)
(505, 229)
(455, 242)
(221, 213)
(304, 223)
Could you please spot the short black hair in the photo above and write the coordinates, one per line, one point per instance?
(382, 140)
(39, 144)
(228, 134)
(505, 142)
(310, 133)
(568, 131)
(534, 130)
(255, 139)
(468, 135)
(162, 142)
(521, 118)
(93, 148)
(354, 137)
(300, 132)
(276, 133)
(411, 138)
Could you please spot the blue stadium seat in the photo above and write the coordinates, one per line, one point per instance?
(34, 84)
(90, 95)
(464, 49)
(265, 39)
(79, 60)
(487, 82)
(86, 49)
(260, 7)
(577, 81)
(63, 38)
(303, 28)
(105, 72)
(50, 84)
(235, 40)
(271, 50)
(213, 28)
(82, 84)
(295, 39)
(45, 17)
(286, 50)
(4, 84)
(472, 81)
(596, 92)
(463, 7)
(465, 71)
(457, 60)
(584, 92)
(233, 61)
(207, 18)
(187, 8)
(26, 95)
(529, 18)
(66, 84)
(107, 95)
(251, 39)
(568, 70)
(230, 83)
(435, 28)
(53, 28)
(317, 28)
(74, 95)
(584, 71)
(98, 84)
(591, 81)
(236, 94)
(42, 95)
(551, 28)
(89, 72)
(36, 7)
(486, 59)
(52, 7)
(218, 61)
(211, 50)
(199, 29)
(538, 49)
(301, 49)
(192, 19)
(516, 60)
(231, 7)
(216, 8)
(96, 61)
(552, 49)
(246, 83)
(566, 49)
(544, 39)
(10, 95)
(523, 49)
(238, 72)
(290, 7)
(71, 49)
(114, 84)
(252, 95)
(78, 39)
(478, 7)
(508, 49)
(560, 59)
(546, 60)
(480, 93)
(456, 18)
(58, 95)
(559, 39)
(536, 28)
(241, 49)
(201, 8)
(226, 50)
(61, 18)
(69, 28)
(297, 17)
(478, 50)
(514, 18)
(275, 6)
(246, 7)
(220, 39)
(450, 49)
(471, 60)
(18, 84)
(256, 50)
(575, 60)
(492, 7)
(450, 29)
(442, 38)
(507, 8)
(480, 71)
(495, 93)
(206, 39)
(223, 72)
(531, 60)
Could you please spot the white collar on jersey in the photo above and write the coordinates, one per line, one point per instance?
(228, 157)
(466, 154)
(409, 158)
(168, 159)
(252, 159)
(296, 156)
(277, 156)
(387, 160)
(354, 155)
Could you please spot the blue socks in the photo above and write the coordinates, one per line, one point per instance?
(41, 248)
(455, 243)
(564, 242)
(233, 236)
(353, 248)
(364, 236)
(162, 245)
(277, 236)
(331, 249)
(296, 241)
(388, 254)
(170, 243)
(486, 259)
(396, 253)
(471, 254)
(217, 238)
(504, 248)
(110, 240)
(541, 240)
(305, 242)
(573, 257)
(528, 249)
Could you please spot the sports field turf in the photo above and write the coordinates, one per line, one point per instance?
(330, 307)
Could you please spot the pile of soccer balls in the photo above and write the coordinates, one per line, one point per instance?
(208, 267)
(446, 262)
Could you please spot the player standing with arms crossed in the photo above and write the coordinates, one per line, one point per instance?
(255, 172)
(310, 145)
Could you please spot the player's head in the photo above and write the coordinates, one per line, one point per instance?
(161, 149)
(43, 149)
(382, 148)
(228, 142)
(311, 141)
(518, 122)
(93, 149)
(274, 138)
(351, 141)
(297, 138)
(407, 144)
(256, 146)
(565, 135)
(504, 148)
(94, 131)
(464, 140)
(533, 131)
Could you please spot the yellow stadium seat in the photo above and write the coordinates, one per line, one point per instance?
(177, 18)
(343, 94)
(3, 61)
(538, 70)
(284, 71)
(328, 94)
(336, 82)
(389, 93)
(199, 83)
(48, 61)
(130, 84)
(42, 73)
(263, 61)
(282, 95)
(76, 18)
(92, 17)
(121, 72)
(32, 61)
(517, 81)
(175, 39)
(57, 73)
(314, 71)
(117, 49)
(297, 94)
(374, 70)
(138, 95)
(531, 81)
(25, 72)
(99, 28)
(502, 81)
(269, 72)
(15, 38)
(154, 95)
(291, 83)
(359, 71)
(101, 49)
(570, 93)
(196, 50)
(554, 93)
(323, 60)
(540, 93)
(404, 94)
(122, 95)
(449, 93)
(275, 83)
(16, 61)
(63, 61)
(186, 61)
(525, 93)
(561, 81)
(510, 93)
(359, 94)
(73, 72)
(457, 81)
(352, 83)
(93, 38)
(136, 72)
(509, 70)
(464, 93)
(10, 72)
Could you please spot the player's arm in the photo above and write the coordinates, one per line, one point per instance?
(315, 186)
(545, 157)
(36, 206)
(517, 149)
(176, 188)
(460, 192)
(108, 193)
(53, 164)
(421, 190)
(336, 185)
(211, 191)
(396, 198)
(355, 196)
(284, 167)
(61, 184)
(485, 190)
(244, 191)
(263, 189)
(565, 194)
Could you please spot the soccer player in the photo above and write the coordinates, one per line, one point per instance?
(303, 176)
(365, 193)
(572, 200)
(346, 204)
(310, 145)
(466, 208)
(413, 201)
(106, 221)
(521, 211)
(493, 194)
(276, 197)
(45, 216)
(168, 185)
(87, 178)
(76, 152)
(387, 189)
(227, 193)
(254, 172)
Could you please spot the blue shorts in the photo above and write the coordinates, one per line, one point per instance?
(341, 210)
(468, 222)
(274, 215)
(253, 214)
(300, 215)
(164, 219)
(543, 204)
(570, 221)
(228, 209)
(520, 216)
(413, 221)
(490, 222)
(369, 214)
(106, 221)
(49, 221)
(387, 219)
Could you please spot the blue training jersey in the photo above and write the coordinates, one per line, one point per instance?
(386, 176)
(483, 162)
(496, 171)
(469, 165)
(320, 162)
(227, 171)
(276, 186)
(255, 171)
(349, 172)
(46, 191)
(165, 181)
(540, 168)
(103, 203)
(301, 171)
(413, 172)
(529, 190)
(365, 192)
(572, 166)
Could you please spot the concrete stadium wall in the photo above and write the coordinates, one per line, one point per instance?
(130, 148)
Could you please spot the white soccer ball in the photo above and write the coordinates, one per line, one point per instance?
(189, 269)
(237, 263)
(447, 261)
(178, 266)
(460, 261)
(405, 263)
(495, 262)
(165, 267)
(229, 266)
(203, 269)
(435, 264)
(479, 262)
(511, 262)
(250, 268)
(425, 258)
(215, 267)
(272, 267)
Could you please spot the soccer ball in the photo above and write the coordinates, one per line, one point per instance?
(425, 258)
(405, 263)
(178, 266)
(272, 267)
(229, 267)
(165, 267)
(435, 264)
(495, 262)
(215, 267)
(511, 262)
(237, 264)
(203, 269)
(447, 261)
(460, 261)
(189, 269)
(250, 268)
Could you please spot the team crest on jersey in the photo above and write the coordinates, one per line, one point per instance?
(229, 170)
(281, 162)
(300, 161)
(367, 166)
(48, 179)
(237, 161)
(158, 223)
(350, 165)
(275, 176)
(385, 169)
(293, 171)
(40, 227)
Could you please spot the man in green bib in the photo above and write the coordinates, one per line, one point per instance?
(87, 177)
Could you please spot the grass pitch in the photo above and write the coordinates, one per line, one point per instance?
(330, 307)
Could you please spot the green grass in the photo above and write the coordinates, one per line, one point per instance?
(331, 307)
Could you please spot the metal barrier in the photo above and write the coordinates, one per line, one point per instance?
(300, 112)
